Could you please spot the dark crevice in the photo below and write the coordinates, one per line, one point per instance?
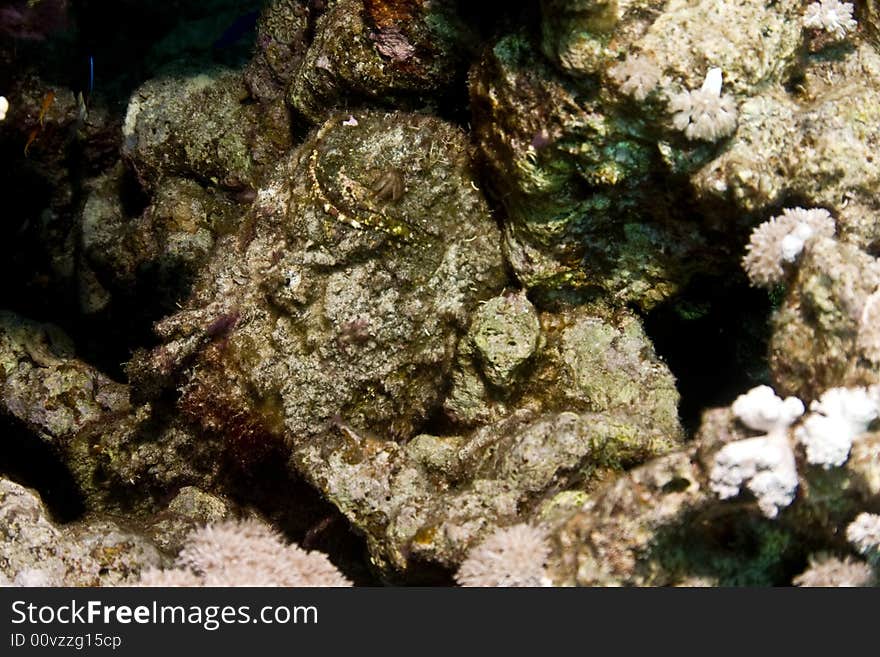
(31, 462)
(714, 338)
(305, 517)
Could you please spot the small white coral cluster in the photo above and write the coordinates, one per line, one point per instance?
(766, 464)
(780, 240)
(829, 571)
(838, 417)
(864, 535)
(637, 75)
(832, 16)
(510, 557)
(704, 113)
(762, 410)
(244, 553)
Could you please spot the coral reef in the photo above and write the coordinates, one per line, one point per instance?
(316, 293)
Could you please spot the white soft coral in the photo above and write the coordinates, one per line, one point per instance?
(864, 535)
(704, 113)
(780, 240)
(834, 17)
(637, 75)
(838, 417)
(766, 464)
(762, 410)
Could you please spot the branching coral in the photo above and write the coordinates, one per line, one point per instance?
(704, 113)
(780, 240)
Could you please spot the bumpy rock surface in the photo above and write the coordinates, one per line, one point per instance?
(585, 37)
(815, 343)
(281, 44)
(660, 524)
(380, 51)
(338, 308)
(589, 359)
(341, 315)
(36, 552)
(198, 126)
(585, 212)
(152, 258)
(343, 295)
(811, 140)
(340, 302)
(47, 388)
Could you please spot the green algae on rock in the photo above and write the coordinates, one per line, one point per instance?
(587, 173)
(582, 359)
(586, 209)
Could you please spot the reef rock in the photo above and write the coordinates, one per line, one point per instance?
(330, 323)
(380, 51)
(36, 552)
(588, 207)
(198, 126)
(824, 325)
